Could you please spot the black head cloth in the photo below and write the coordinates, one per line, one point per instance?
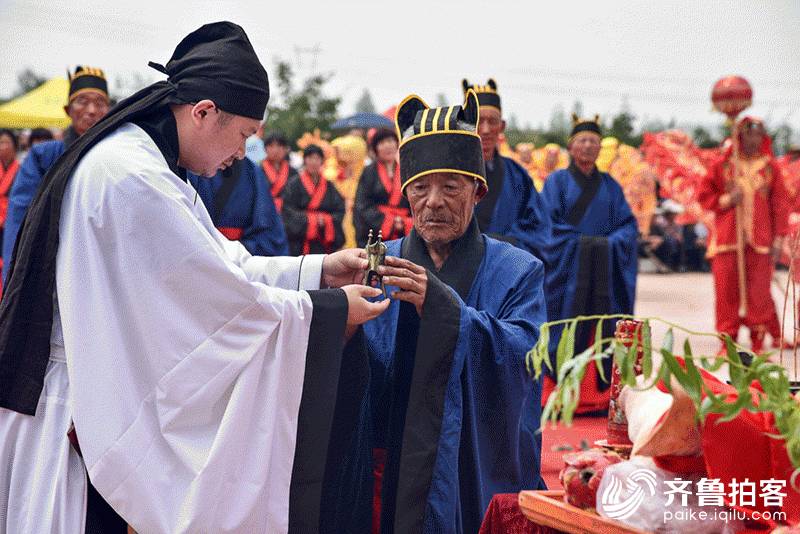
(441, 139)
(216, 62)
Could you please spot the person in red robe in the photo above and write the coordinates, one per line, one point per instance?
(746, 193)
(312, 209)
(380, 205)
(276, 166)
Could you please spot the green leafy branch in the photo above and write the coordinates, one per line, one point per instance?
(570, 369)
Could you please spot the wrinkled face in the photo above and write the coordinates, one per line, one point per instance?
(752, 136)
(7, 150)
(220, 138)
(386, 150)
(490, 126)
(442, 205)
(584, 148)
(276, 152)
(313, 164)
(86, 109)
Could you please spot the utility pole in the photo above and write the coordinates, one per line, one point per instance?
(313, 51)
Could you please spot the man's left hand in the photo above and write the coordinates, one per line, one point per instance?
(344, 267)
(409, 277)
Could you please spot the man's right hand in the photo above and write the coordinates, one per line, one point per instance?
(736, 195)
(732, 197)
(360, 310)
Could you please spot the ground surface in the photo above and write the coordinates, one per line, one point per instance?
(688, 299)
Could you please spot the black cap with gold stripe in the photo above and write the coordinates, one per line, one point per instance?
(487, 94)
(442, 139)
(87, 79)
(585, 125)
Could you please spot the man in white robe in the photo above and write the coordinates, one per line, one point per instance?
(196, 385)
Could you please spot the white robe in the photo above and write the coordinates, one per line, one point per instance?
(179, 357)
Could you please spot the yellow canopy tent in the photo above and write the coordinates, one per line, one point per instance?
(41, 108)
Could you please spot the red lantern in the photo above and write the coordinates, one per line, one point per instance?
(731, 95)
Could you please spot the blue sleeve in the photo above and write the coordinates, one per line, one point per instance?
(24, 188)
(625, 225)
(507, 335)
(532, 227)
(265, 236)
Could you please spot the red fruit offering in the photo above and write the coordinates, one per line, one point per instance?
(582, 473)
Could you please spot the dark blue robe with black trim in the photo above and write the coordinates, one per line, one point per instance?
(449, 395)
(249, 210)
(512, 209)
(591, 265)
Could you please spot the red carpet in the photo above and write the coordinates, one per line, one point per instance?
(589, 429)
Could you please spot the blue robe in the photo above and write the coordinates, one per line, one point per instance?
(453, 389)
(250, 209)
(601, 247)
(38, 161)
(519, 214)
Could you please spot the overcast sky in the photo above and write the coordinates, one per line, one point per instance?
(661, 56)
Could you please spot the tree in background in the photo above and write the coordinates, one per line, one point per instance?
(782, 138)
(27, 80)
(622, 127)
(703, 138)
(559, 129)
(365, 104)
(300, 109)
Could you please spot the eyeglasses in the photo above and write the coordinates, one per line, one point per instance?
(84, 101)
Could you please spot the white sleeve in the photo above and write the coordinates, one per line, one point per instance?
(186, 376)
(287, 272)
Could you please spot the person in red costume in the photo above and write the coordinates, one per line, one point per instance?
(379, 203)
(276, 166)
(312, 209)
(746, 193)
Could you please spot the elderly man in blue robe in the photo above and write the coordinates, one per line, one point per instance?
(451, 416)
(591, 259)
(88, 102)
(512, 210)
